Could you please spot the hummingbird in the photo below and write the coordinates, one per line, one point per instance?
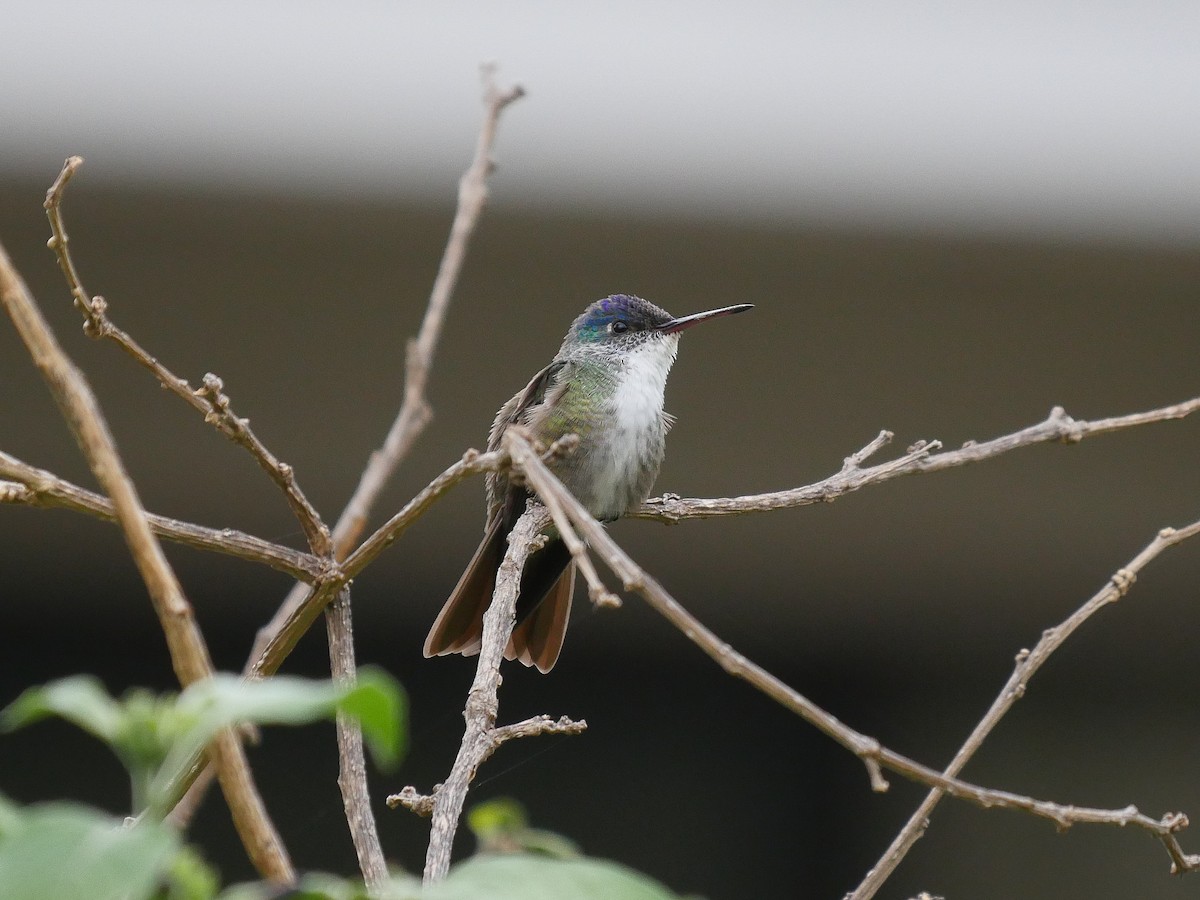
(605, 385)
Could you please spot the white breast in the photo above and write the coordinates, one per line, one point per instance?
(637, 440)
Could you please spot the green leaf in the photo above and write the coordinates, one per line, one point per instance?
(10, 816)
(379, 704)
(67, 852)
(191, 878)
(208, 706)
(501, 816)
(80, 699)
(502, 826)
(156, 737)
(319, 886)
(521, 876)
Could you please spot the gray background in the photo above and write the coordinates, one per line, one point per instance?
(949, 221)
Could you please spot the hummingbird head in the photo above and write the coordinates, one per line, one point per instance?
(623, 323)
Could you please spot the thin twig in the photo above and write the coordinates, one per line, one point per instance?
(922, 457)
(1027, 664)
(867, 749)
(42, 488)
(189, 654)
(352, 767)
(207, 399)
(423, 804)
(415, 412)
(481, 737)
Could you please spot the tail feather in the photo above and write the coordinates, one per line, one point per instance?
(459, 626)
(543, 606)
(538, 640)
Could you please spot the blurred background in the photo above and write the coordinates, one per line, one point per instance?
(950, 218)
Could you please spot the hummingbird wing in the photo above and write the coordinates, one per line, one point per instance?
(502, 502)
(549, 573)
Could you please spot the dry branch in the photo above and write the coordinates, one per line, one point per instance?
(412, 418)
(414, 412)
(1027, 665)
(481, 736)
(921, 457)
(189, 654)
(874, 755)
(42, 488)
(673, 509)
(207, 399)
(303, 604)
(267, 662)
(352, 767)
(276, 650)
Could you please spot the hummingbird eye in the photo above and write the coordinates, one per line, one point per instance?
(618, 327)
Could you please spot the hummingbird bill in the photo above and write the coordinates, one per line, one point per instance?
(605, 385)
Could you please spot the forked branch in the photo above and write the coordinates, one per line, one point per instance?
(1027, 665)
(481, 736)
(874, 755)
(189, 654)
(920, 458)
(208, 399)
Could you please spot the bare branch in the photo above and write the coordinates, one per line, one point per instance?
(352, 767)
(189, 654)
(277, 646)
(275, 642)
(535, 726)
(414, 412)
(423, 804)
(922, 457)
(483, 699)
(42, 488)
(481, 736)
(412, 800)
(208, 399)
(1028, 663)
(869, 750)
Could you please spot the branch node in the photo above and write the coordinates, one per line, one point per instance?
(1123, 580)
(602, 599)
(1069, 431)
(421, 804)
(1175, 822)
(879, 784)
(11, 492)
(856, 459)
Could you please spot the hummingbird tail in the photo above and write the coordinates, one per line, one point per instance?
(543, 607)
(537, 640)
(459, 626)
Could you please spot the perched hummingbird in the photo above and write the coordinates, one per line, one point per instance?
(605, 385)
